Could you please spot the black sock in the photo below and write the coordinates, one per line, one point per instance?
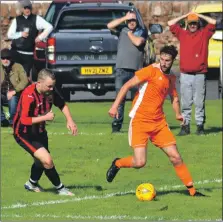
(53, 176)
(36, 173)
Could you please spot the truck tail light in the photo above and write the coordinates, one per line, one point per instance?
(51, 47)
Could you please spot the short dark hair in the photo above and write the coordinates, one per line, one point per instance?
(169, 49)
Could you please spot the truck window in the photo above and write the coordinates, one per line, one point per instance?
(88, 19)
(50, 14)
(53, 12)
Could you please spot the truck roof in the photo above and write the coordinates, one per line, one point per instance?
(93, 3)
(89, 1)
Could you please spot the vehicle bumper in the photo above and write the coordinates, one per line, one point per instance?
(70, 78)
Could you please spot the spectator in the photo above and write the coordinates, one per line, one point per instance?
(131, 45)
(13, 81)
(24, 34)
(193, 66)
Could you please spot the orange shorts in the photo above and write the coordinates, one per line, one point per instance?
(158, 132)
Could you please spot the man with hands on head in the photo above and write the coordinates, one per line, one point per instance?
(34, 109)
(193, 66)
(131, 45)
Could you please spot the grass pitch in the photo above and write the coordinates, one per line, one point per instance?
(82, 163)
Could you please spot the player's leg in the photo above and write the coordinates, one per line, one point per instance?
(138, 160)
(52, 173)
(166, 141)
(35, 174)
(37, 168)
(181, 169)
(138, 141)
(25, 142)
(45, 158)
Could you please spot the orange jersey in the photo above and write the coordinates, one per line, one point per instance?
(148, 102)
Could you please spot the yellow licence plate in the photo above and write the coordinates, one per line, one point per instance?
(102, 70)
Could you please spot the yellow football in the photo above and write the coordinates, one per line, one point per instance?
(145, 192)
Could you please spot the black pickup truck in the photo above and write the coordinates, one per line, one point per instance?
(81, 50)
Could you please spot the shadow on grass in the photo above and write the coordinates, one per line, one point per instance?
(96, 187)
(124, 194)
(166, 192)
(174, 127)
(185, 192)
(71, 187)
(182, 192)
(213, 130)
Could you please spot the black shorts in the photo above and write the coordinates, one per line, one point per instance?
(31, 143)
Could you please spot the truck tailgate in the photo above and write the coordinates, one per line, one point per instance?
(85, 47)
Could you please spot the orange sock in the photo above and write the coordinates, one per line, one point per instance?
(184, 174)
(126, 162)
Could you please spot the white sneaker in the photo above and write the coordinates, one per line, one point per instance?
(65, 192)
(31, 187)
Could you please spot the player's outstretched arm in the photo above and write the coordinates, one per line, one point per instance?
(176, 107)
(71, 125)
(122, 93)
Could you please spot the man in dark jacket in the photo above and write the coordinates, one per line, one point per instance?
(24, 31)
(13, 81)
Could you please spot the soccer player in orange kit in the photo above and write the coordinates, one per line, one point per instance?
(148, 119)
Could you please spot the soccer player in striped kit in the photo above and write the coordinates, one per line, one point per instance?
(34, 109)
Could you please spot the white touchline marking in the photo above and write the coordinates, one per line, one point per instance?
(64, 133)
(94, 197)
(75, 199)
(93, 134)
(100, 217)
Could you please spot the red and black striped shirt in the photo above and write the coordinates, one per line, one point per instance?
(32, 104)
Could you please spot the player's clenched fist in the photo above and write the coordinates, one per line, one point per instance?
(50, 116)
(113, 112)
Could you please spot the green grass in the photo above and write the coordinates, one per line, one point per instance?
(82, 163)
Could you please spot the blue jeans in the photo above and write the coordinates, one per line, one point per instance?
(121, 77)
(2, 113)
(12, 104)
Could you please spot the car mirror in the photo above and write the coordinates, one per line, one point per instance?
(155, 28)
